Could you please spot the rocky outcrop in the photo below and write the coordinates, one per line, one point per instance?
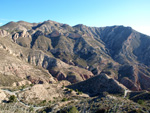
(3, 33)
(98, 84)
(21, 83)
(22, 38)
(23, 34)
(15, 36)
(41, 80)
(72, 76)
(55, 33)
(74, 35)
(2, 96)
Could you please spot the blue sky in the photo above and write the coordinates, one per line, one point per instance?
(99, 13)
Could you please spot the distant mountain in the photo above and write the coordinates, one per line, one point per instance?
(77, 53)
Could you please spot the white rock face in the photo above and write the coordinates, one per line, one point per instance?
(23, 34)
(2, 96)
(15, 37)
(21, 83)
(3, 33)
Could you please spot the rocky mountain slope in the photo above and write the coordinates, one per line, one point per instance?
(99, 84)
(74, 53)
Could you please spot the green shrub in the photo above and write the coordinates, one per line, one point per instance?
(31, 109)
(54, 97)
(76, 90)
(79, 92)
(31, 85)
(44, 101)
(12, 98)
(73, 109)
(71, 90)
(64, 99)
(22, 87)
(63, 87)
(50, 101)
(141, 102)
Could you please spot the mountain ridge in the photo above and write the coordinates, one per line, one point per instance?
(114, 50)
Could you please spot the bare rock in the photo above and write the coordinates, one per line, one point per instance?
(22, 38)
(25, 34)
(63, 83)
(15, 36)
(2, 96)
(22, 83)
(55, 33)
(74, 35)
(3, 33)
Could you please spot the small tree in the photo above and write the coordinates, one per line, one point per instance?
(12, 98)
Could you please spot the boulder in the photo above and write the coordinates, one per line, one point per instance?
(2, 96)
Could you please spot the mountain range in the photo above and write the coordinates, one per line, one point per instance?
(55, 67)
(49, 51)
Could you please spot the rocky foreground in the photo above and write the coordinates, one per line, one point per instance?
(57, 99)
